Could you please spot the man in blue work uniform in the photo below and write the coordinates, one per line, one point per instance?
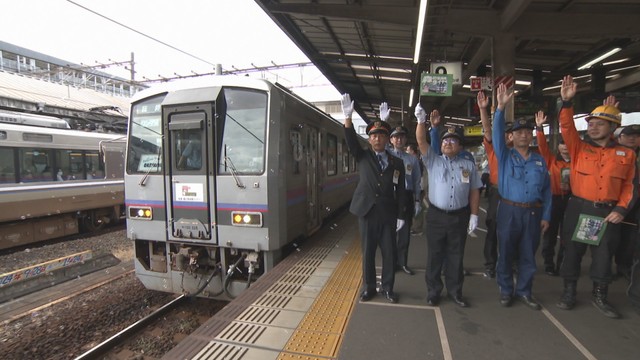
(412, 175)
(524, 209)
(378, 201)
(454, 197)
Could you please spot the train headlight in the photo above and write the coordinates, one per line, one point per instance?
(140, 212)
(242, 218)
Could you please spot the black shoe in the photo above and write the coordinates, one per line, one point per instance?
(506, 300)
(489, 273)
(528, 300)
(390, 296)
(367, 295)
(460, 301)
(433, 300)
(407, 270)
(550, 270)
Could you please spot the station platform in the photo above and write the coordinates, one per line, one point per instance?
(308, 307)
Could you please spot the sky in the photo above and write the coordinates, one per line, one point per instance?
(233, 33)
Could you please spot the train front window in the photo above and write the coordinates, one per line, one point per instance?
(243, 140)
(144, 152)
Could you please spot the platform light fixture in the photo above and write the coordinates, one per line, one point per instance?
(411, 98)
(421, 19)
(599, 58)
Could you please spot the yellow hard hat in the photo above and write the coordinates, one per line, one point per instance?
(606, 112)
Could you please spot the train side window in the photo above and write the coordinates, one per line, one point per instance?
(332, 155)
(35, 165)
(93, 166)
(244, 132)
(296, 150)
(345, 158)
(69, 165)
(7, 166)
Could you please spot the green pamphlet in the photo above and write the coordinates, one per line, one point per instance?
(589, 229)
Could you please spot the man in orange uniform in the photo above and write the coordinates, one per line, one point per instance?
(559, 171)
(491, 239)
(602, 174)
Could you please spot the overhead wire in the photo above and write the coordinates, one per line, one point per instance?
(140, 33)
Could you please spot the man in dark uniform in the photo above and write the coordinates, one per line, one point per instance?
(378, 201)
(602, 188)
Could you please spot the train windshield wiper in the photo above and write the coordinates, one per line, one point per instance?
(228, 163)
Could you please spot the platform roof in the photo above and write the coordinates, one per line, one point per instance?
(366, 48)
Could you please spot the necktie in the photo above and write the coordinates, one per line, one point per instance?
(380, 163)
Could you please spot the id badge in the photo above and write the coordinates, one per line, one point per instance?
(407, 170)
(466, 174)
(396, 177)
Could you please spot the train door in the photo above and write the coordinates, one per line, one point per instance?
(190, 154)
(313, 156)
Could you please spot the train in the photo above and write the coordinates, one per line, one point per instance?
(223, 177)
(56, 181)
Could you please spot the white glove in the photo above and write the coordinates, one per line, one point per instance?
(384, 111)
(421, 114)
(399, 225)
(418, 208)
(347, 105)
(473, 223)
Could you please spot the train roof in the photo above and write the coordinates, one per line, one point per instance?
(65, 133)
(203, 82)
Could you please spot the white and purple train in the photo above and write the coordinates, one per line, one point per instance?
(222, 177)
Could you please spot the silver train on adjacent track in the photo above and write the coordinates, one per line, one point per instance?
(55, 181)
(222, 178)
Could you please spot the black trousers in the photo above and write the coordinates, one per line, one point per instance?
(378, 232)
(404, 235)
(491, 239)
(446, 240)
(550, 237)
(628, 237)
(601, 255)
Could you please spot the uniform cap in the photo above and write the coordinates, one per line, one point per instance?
(522, 124)
(453, 132)
(399, 130)
(377, 127)
(628, 130)
(606, 112)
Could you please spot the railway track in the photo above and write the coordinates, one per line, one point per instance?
(109, 344)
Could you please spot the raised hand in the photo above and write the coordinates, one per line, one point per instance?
(421, 115)
(347, 105)
(482, 99)
(541, 118)
(503, 96)
(611, 101)
(434, 118)
(568, 88)
(384, 111)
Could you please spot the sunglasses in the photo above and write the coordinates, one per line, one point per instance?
(450, 140)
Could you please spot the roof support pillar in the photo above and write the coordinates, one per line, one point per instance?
(503, 66)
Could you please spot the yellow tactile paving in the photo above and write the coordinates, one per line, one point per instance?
(320, 332)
